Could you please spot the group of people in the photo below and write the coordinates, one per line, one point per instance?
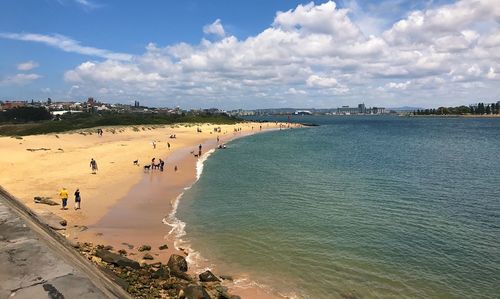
(63, 194)
(160, 164)
(99, 132)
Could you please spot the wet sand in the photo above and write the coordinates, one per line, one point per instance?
(137, 219)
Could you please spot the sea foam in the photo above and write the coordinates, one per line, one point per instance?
(177, 230)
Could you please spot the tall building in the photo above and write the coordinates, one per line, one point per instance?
(362, 108)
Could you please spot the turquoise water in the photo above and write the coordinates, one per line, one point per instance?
(380, 207)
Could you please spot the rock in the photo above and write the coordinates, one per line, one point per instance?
(74, 243)
(130, 246)
(63, 222)
(163, 247)
(177, 263)
(122, 252)
(208, 276)
(118, 280)
(181, 275)
(116, 259)
(77, 228)
(148, 256)
(162, 273)
(193, 292)
(51, 219)
(226, 277)
(96, 259)
(144, 248)
(45, 201)
(108, 247)
(218, 291)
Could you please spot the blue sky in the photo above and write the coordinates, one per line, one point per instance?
(251, 54)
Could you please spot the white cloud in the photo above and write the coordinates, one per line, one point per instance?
(400, 85)
(491, 73)
(86, 3)
(325, 18)
(66, 44)
(27, 66)
(315, 51)
(215, 28)
(294, 91)
(19, 79)
(317, 81)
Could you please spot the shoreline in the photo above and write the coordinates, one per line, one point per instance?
(161, 226)
(96, 222)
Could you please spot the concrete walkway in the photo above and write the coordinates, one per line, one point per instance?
(36, 263)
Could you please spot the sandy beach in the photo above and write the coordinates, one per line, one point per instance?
(123, 204)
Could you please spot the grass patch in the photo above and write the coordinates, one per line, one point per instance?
(78, 121)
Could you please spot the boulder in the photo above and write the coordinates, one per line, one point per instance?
(144, 248)
(63, 222)
(162, 273)
(148, 256)
(51, 219)
(163, 247)
(116, 259)
(177, 263)
(193, 292)
(118, 280)
(208, 276)
(45, 201)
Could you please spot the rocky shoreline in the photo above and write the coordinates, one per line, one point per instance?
(155, 280)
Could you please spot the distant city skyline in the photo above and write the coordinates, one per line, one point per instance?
(254, 54)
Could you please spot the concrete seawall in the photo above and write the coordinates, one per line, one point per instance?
(36, 262)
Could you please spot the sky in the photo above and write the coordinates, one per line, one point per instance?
(252, 54)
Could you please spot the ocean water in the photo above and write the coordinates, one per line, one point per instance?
(376, 207)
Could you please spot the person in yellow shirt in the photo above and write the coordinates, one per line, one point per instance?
(63, 194)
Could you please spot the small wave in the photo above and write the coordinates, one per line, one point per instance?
(178, 230)
(194, 258)
(201, 162)
(247, 283)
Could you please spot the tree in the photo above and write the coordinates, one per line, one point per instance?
(488, 109)
(480, 108)
(25, 114)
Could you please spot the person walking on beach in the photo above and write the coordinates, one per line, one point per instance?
(175, 168)
(93, 165)
(77, 199)
(154, 144)
(63, 194)
(168, 145)
(199, 151)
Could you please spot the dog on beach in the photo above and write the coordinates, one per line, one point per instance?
(147, 167)
(136, 162)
